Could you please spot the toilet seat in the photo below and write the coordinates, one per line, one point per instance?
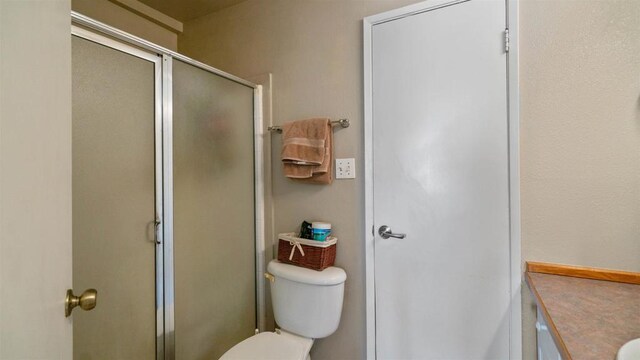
(270, 346)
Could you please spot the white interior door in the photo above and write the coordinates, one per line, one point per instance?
(441, 176)
(35, 179)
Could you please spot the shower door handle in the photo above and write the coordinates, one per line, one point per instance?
(156, 227)
(385, 232)
(155, 224)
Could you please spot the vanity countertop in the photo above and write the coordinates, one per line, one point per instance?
(590, 312)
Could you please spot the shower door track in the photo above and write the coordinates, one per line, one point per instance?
(95, 31)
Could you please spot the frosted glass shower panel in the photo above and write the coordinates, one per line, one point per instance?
(214, 231)
(113, 202)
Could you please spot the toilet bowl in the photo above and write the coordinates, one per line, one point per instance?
(307, 305)
(271, 346)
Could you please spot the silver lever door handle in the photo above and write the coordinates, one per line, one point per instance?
(385, 233)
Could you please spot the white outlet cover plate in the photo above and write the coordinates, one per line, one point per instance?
(346, 168)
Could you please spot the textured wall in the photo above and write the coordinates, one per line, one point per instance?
(314, 50)
(580, 136)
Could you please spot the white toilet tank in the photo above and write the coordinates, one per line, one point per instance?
(307, 302)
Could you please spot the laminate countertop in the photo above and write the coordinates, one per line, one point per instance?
(590, 312)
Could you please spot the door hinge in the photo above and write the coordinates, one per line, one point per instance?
(506, 40)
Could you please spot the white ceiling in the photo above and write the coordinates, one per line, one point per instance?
(185, 10)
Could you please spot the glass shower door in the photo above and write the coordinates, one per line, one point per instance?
(214, 219)
(164, 222)
(114, 204)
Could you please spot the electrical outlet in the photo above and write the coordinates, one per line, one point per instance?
(346, 168)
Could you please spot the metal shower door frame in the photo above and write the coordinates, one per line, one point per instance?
(95, 31)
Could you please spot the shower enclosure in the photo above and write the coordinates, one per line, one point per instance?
(166, 197)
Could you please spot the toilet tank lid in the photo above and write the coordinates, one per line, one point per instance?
(329, 276)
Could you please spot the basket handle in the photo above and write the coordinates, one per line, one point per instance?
(295, 245)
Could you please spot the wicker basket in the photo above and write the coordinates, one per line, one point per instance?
(312, 254)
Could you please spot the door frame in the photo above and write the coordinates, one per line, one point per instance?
(513, 104)
(158, 168)
(90, 29)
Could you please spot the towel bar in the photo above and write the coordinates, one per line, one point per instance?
(342, 122)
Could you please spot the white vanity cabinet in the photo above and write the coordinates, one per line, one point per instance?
(547, 349)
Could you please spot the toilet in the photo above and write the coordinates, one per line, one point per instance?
(307, 305)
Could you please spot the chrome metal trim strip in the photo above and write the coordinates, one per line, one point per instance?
(167, 150)
(86, 21)
(159, 212)
(109, 42)
(259, 208)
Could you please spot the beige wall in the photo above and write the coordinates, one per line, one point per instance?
(123, 19)
(35, 178)
(314, 50)
(580, 126)
(580, 135)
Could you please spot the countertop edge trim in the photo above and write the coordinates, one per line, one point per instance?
(626, 277)
(557, 339)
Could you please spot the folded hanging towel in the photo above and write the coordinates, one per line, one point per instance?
(303, 141)
(323, 174)
(307, 150)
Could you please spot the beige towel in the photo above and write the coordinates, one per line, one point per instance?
(323, 174)
(307, 150)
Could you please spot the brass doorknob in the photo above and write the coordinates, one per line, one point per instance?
(87, 301)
